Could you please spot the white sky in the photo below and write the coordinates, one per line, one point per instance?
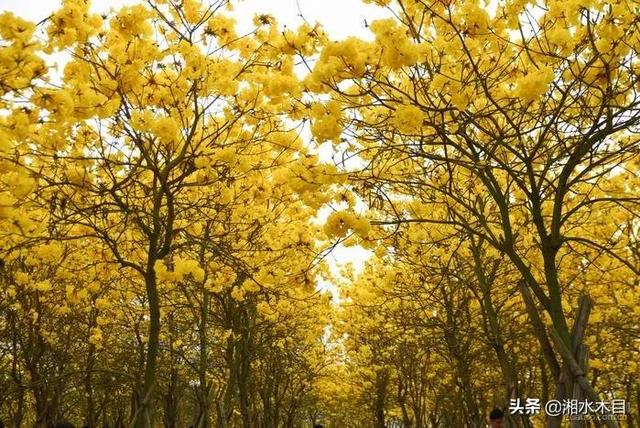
(339, 18)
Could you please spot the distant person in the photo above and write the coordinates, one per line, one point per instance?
(496, 418)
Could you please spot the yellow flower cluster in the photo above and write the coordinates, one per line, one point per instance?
(132, 22)
(407, 119)
(397, 49)
(222, 27)
(19, 64)
(72, 23)
(341, 60)
(326, 121)
(340, 222)
(182, 268)
(534, 84)
(165, 128)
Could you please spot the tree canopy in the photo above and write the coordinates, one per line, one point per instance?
(168, 215)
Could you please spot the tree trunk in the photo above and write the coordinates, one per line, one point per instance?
(143, 415)
(382, 379)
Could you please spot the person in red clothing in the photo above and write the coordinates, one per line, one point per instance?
(496, 418)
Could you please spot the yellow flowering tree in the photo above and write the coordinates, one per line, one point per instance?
(156, 101)
(517, 125)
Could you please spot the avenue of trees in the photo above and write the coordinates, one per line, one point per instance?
(166, 216)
